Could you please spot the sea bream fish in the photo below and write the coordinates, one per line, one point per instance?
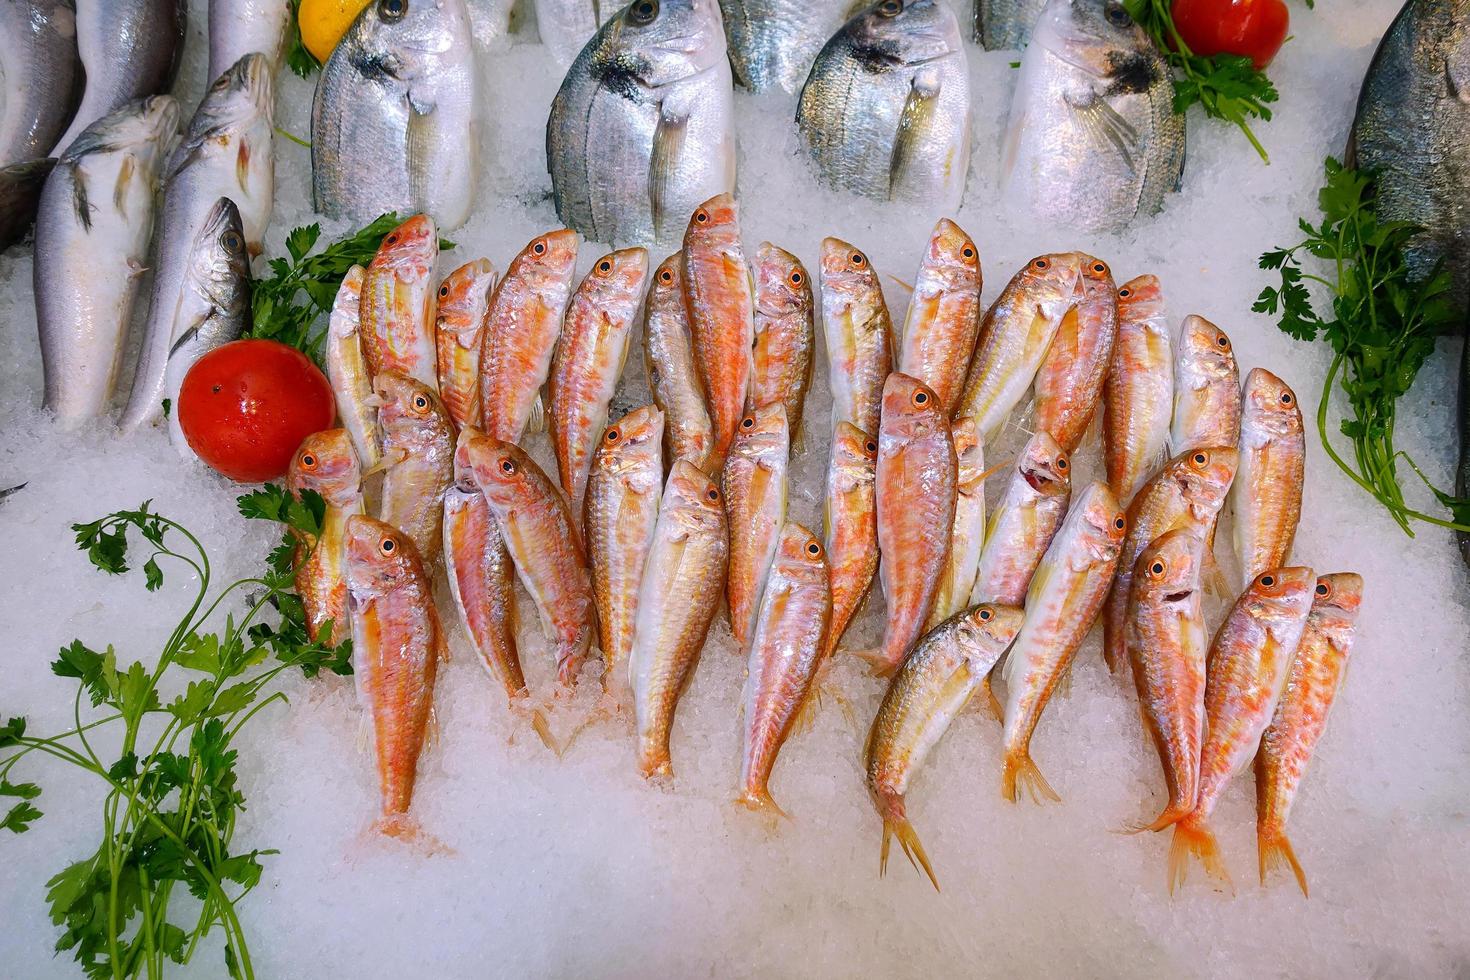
(326, 464)
(94, 224)
(1093, 140)
(238, 27)
(399, 303)
(347, 369)
(1005, 25)
(41, 77)
(643, 129)
(129, 49)
(393, 121)
(566, 26)
(774, 42)
(885, 112)
(668, 360)
(214, 307)
(943, 319)
(858, 331)
(226, 152)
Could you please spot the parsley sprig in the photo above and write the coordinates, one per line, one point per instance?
(1383, 326)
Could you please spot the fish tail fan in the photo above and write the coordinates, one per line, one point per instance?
(1192, 836)
(1020, 772)
(1275, 849)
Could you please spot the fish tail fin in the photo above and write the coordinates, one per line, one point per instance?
(1018, 772)
(757, 799)
(877, 660)
(404, 828)
(896, 824)
(542, 728)
(1192, 836)
(1275, 849)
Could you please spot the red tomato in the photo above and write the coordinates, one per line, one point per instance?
(246, 406)
(1254, 28)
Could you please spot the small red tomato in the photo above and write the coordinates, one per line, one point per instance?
(245, 407)
(1253, 28)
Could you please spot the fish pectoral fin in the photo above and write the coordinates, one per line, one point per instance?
(125, 173)
(915, 125)
(1102, 122)
(669, 135)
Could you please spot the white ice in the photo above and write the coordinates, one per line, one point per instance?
(577, 868)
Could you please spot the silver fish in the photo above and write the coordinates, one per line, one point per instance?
(129, 49)
(225, 153)
(774, 42)
(214, 307)
(238, 27)
(566, 26)
(1093, 140)
(642, 130)
(393, 122)
(40, 76)
(1005, 25)
(94, 224)
(886, 110)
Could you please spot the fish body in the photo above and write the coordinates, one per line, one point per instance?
(418, 443)
(94, 223)
(347, 369)
(885, 111)
(1005, 25)
(683, 580)
(785, 340)
(916, 478)
(1064, 599)
(967, 535)
(926, 694)
(642, 129)
(526, 313)
(755, 508)
(943, 317)
(1024, 522)
(129, 49)
(1138, 396)
(396, 647)
(1313, 679)
(460, 313)
(786, 651)
(547, 550)
(858, 332)
(566, 26)
(20, 197)
(717, 289)
(214, 307)
(399, 303)
(1015, 335)
(1266, 498)
(1186, 493)
(226, 152)
(238, 27)
(1070, 381)
(668, 358)
(1206, 388)
(774, 42)
(393, 120)
(326, 464)
(589, 361)
(1093, 140)
(623, 494)
(41, 80)
(850, 524)
(1245, 673)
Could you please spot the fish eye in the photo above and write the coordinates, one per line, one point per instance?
(712, 494)
(231, 242)
(539, 248)
(444, 290)
(1156, 570)
(1323, 590)
(858, 260)
(1099, 267)
(1062, 464)
(1117, 16)
(986, 614)
(890, 8)
(643, 12)
(508, 466)
(613, 435)
(308, 461)
(393, 238)
(1124, 293)
(391, 10)
(968, 251)
(1040, 264)
(387, 546)
(1120, 523)
(870, 446)
(920, 399)
(420, 402)
(797, 278)
(1222, 342)
(1286, 398)
(604, 267)
(1200, 459)
(701, 217)
(748, 422)
(814, 549)
(1266, 581)
(666, 276)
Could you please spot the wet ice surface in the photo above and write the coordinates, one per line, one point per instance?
(577, 867)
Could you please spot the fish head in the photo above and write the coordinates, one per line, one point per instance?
(951, 254)
(911, 411)
(1336, 598)
(1169, 568)
(983, 631)
(346, 314)
(892, 34)
(1102, 522)
(464, 295)
(1141, 298)
(800, 554)
(409, 413)
(854, 454)
(243, 91)
(219, 261)
(403, 39)
(1205, 351)
(327, 464)
(1097, 279)
(782, 284)
(1204, 475)
(146, 126)
(655, 43)
(1050, 283)
(1045, 466)
(380, 558)
(547, 262)
(845, 268)
(668, 282)
(631, 445)
(969, 451)
(1269, 405)
(506, 475)
(618, 276)
(763, 437)
(1279, 594)
(410, 249)
(464, 470)
(1100, 38)
(714, 225)
(693, 499)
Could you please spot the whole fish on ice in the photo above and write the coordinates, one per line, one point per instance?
(785, 334)
(943, 319)
(1266, 498)
(461, 312)
(858, 330)
(718, 293)
(668, 361)
(326, 464)
(1138, 395)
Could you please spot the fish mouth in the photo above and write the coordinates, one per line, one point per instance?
(1180, 596)
(1037, 480)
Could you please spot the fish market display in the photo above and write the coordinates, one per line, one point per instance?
(418, 447)
(858, 332)
(42, 71)
(214, 307)
(1070, 380)
(1027, 516)
(773, 42)
(785, 334)
(1266, 499)
(393, 122)
(399, 303)
(1063, 601)
(588, 362)
(1206, 388)
(1246, 673)
(90, 248)
(885, 112)
(1138, 395)
(717, 289)
(930, 690)
(668, 358)
(520, 335)
(755, 508)
(396, 647)
(683, 580)
(785, 655)
(642, 129)
(1015, 335)
(566, 26)
(1005, 25)
(537, 529)
(129, 49)
(326, 464)
(967, 535)
(1312, 682)
(1093, 140)
(944, 314)
(347, 369)
(238, 27)
(850, 524)
(460, 313)
(916, 504)
(623, 494)
(226, 152)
